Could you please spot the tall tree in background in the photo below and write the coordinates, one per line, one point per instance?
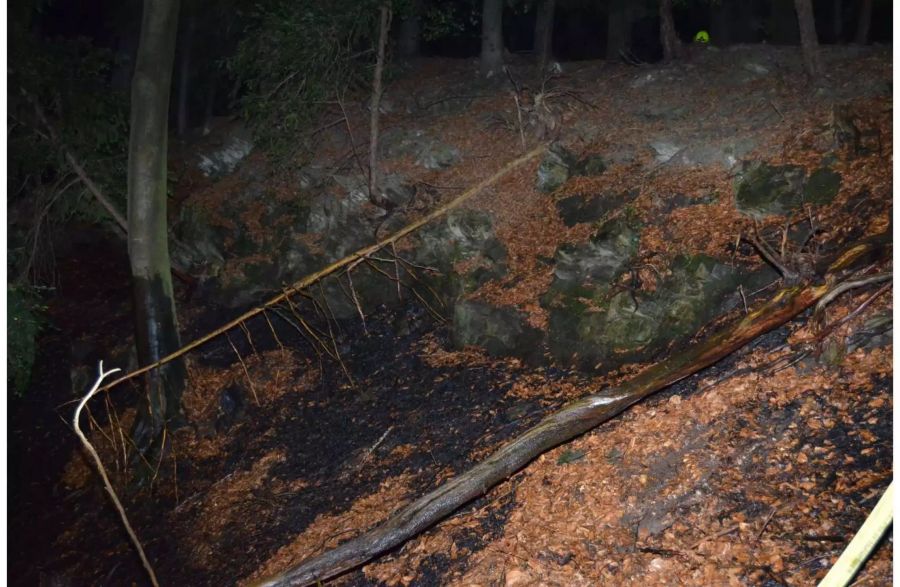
(837, 20)
(618, 28)
(543, 32)
(809, 41)
(672, 48)
(410, 35)
(184, 70)
(154, 303)
(720, 22)
(384, 29)
(864, 22)
(491, 37)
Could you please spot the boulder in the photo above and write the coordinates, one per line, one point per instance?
(764, 190)
(555, 169)
(599, 261)
(221, 160)
(501, 331)
(591, 208)
(559, 164)
(462, 236)
(608, 323)
(427, 151)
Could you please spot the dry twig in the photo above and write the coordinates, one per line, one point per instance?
(102, 470)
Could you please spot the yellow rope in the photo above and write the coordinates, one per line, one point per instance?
(862, 545)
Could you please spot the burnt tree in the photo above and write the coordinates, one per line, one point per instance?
(156, 327)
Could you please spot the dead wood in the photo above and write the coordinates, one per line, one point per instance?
(571, 421)
(374, 179)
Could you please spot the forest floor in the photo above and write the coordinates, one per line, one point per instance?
(756, 471)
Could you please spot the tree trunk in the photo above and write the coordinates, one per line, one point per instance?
(719, 23)
(148, 248)
(385, 25)
(184, 76)
(128, 35)
(864, 22)
(209, 106)
(671, 44)
(809, 41)
(491, 37)
(837, 20)
(618, 28)
(410, 40)
(781, 25)
(543, 32)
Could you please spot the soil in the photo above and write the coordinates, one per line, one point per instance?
(756, 471)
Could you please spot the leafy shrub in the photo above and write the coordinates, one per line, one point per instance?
(59, 96)
(294, 57)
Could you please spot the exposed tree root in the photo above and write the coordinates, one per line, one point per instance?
(569, 422)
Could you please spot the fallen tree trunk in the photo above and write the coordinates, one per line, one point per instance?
(569, 422)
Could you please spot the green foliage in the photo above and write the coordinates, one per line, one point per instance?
(68, 80)
(297, 55)
(451, 19)
(24, 321)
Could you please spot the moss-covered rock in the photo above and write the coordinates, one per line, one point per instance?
(559, 164)
(764, 190)
(462, 236)
(822, 186)
(555, 168)
(591, 208)
(501, 331)
(590, 165)
(616, 325)
(600, 260)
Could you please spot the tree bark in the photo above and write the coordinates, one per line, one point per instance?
(672, 48)
(864, 22)
(809, 41)
(409, 43)
(209, 107)
(184, 76)
(837, 20)
(720, 23)
(543, 32)
(618, 28)
(491, 37)
(148, 247)
(576, 418)
(385, 25)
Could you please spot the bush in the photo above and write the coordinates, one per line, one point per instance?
(24, 322)
(294, 57)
